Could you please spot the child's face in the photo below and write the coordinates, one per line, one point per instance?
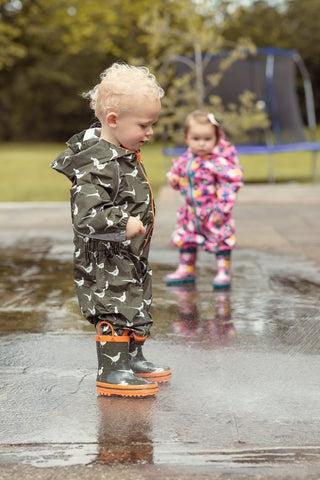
(201, 139)
(134, 127)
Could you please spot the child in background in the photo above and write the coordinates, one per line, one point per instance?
(208, 175)
(113, 215)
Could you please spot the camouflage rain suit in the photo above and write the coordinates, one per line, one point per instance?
(109, 184)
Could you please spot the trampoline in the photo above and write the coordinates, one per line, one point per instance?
(271, 74)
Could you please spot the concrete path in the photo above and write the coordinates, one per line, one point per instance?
(279, 218)
(244, 400)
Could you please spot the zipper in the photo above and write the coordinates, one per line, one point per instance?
(189, 175)
(142, 171)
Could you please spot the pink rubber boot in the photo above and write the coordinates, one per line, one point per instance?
(185, 273)
(223, 278)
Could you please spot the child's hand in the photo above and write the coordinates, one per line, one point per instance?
(134, 227)
(173, 180)
(217, 220)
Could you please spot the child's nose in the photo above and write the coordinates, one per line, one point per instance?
(150, 131)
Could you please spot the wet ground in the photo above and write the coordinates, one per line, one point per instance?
(245, 393)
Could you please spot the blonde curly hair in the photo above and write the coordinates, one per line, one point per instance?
(120, 83)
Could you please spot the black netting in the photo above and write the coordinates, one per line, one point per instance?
(278, 93)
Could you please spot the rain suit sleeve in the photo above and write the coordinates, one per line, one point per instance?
(176, 169)
(94, 212)
(228, 178)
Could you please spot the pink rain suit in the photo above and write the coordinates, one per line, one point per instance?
(209, 186)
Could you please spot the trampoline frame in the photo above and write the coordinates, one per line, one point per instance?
(270, 148)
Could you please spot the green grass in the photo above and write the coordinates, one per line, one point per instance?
(286, 167)
(27, 176)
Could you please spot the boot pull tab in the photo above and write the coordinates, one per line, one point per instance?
(102, 323)
(139, 338)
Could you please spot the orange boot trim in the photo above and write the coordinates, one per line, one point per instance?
(100, 337)
(160, 377)
(139, 338)
(110, 389)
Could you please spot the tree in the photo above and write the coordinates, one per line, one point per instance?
(58, 50)
(188, 33)
(10, 47)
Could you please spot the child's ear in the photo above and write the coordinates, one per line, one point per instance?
(112, 119)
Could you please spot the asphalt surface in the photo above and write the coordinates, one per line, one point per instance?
(244, 398)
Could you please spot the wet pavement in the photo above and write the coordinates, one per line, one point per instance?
(244, 398)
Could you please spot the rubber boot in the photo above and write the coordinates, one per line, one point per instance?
(185, 273)
(187, 320)
(115, 376)
(222, 281)
(141, 367)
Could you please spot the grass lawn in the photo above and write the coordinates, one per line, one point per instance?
(26, 175)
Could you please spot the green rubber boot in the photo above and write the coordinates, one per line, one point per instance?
(115, 376)
(141, 367)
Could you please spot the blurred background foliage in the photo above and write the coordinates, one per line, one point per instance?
(52, 51)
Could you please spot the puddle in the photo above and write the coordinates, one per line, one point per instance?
(46, 456)
(245, 368)
(296, 285)
(254, 457)
(37, 295)
(135, 453)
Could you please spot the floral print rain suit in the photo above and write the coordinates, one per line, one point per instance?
(209, 185)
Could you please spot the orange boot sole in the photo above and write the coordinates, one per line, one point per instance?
(109, 389)
(160, 377)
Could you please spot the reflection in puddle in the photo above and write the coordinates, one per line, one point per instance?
(37, 295)
(262, 308)
(260, 392)
(295, 285)
(218, 329)
(124, 431)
